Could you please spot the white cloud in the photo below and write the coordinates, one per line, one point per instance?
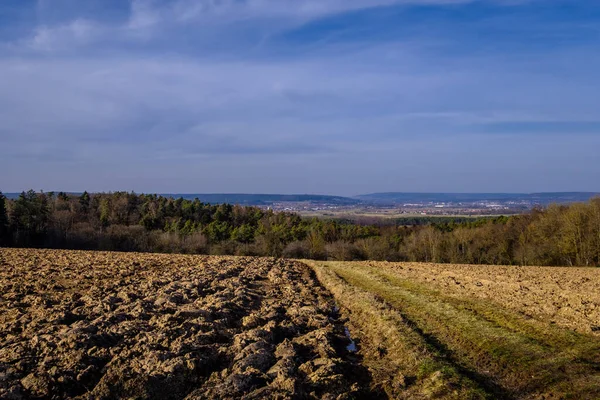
(74, 33)
(143, 14)
(213, 11)
(340, 101)
(150, 19)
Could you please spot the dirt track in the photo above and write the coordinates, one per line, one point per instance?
(468, 331)
(106, 325)
(568, 297)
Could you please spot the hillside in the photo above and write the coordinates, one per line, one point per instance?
(81, 324)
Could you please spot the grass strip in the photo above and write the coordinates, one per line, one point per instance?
(494, 344)
(400, 359)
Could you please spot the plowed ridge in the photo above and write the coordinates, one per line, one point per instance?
(114, 325)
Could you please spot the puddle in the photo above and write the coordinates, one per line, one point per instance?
(352, 346)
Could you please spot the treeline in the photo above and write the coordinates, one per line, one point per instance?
(558, 235)
(415, 220)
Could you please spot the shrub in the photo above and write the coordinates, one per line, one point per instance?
(297, 249)
(343, 251)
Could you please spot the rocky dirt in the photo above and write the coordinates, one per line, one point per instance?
(568, 297)
(77, 324)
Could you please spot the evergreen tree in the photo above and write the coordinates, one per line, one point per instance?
(84, 201)
(105, 212)
(3, 221)
(30, 218)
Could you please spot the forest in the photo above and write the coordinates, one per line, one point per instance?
(558, 235)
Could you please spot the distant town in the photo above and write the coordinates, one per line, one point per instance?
(417, 208)
(397, 204)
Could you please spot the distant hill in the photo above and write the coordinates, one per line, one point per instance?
(379, 199)
(393, 198)
(264, 199)
(247, 199)
(15, 195)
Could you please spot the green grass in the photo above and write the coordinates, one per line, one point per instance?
(400, 359)
(497, 350)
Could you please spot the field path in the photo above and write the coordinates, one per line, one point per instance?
(424, 338)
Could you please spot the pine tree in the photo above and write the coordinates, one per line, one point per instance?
(84, 201)
(3, 220)
(30, 218)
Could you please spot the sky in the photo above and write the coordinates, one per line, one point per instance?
(300, 96)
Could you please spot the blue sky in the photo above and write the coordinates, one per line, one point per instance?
(300, 96)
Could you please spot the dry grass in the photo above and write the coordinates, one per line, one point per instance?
(469, 343)
(400, 358)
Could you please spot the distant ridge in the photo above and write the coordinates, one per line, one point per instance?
(243, 198)
(377, 199)
(263, 199)
(541, 198)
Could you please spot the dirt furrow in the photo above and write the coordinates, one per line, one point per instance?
(113, 325)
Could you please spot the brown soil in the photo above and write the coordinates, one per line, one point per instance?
(76, 324)
(568, 297)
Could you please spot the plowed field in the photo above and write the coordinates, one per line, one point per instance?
(111, 325)
(99, 325)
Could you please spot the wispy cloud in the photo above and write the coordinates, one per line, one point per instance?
(69, 23)
(77, 32)
(397, 94)
(543, 127)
